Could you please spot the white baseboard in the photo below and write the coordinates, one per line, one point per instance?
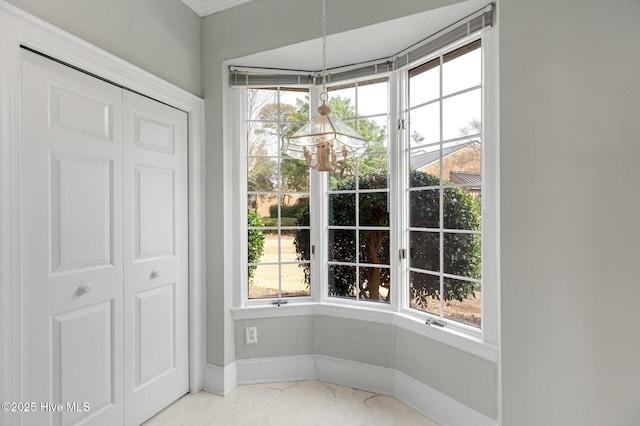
(220, 380)
(439, 407)
(371, 378)
(279, 369)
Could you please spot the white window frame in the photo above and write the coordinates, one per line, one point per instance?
(489, 192)
(323, 265)
(482, 341)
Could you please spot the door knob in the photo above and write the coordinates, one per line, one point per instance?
(83, 289)
(155, 274)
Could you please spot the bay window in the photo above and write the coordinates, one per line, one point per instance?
(410, 226)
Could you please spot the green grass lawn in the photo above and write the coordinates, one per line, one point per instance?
(272, 221)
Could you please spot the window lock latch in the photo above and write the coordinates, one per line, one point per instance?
(433, 321)
(403, 254)
(401, 124)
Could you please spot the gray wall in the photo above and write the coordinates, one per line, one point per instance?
(159, 36)
(458, 374)
(570, 102)
(464, 377)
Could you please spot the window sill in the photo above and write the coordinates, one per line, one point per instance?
(446, 335)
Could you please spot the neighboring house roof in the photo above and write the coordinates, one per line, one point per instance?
(465, 177)
(421, 160)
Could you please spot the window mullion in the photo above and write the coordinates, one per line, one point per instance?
(318, 219)
(395, 181)
(441, 206)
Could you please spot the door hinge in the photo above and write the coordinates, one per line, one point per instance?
(313, 249)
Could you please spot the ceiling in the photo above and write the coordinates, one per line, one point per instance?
(362, 44)
(207, 7)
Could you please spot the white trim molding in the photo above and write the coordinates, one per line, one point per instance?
(207, 7)
(387, 381)
(18, 28)
(220, 380)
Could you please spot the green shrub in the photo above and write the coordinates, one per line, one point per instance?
(294, 210)
(255, 241)
(462, 254)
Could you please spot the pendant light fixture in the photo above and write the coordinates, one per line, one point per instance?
(325, 138)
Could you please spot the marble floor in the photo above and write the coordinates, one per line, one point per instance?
(303, 403)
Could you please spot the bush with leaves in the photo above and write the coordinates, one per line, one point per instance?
(462, 251)
(462, 254)
(255, 241)
(288, 210)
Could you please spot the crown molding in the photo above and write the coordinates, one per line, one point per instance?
(207, 7)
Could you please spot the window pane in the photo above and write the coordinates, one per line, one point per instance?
(263, 281)
(343, 102)
(342, 209)
(461, 72)
(424, 250)
(373, 209)
(374, 247)
(342, 245)
(294, 209)
(462, 255)
(262, 138)
(295, 175)
(462, 162)
(261, 104)
(468, 310)
(424, 292)
(461, 209)
(424, 208)
(425, 167)
(424, 124)
(294, 280)
(343, 176)
(374, 130)
(373, 98)
(255, 240)
(267, 251)
(342, 281)
(289, 238)
(461, 114)
(375, 284)
(262, 174)
(373, 171)
(294, 105)
(424, 83)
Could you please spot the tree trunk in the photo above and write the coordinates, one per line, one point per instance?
(374, 275)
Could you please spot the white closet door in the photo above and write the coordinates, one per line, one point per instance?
(104, 250)
(155, 256)
(71, 246)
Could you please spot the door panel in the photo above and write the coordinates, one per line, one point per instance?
(81, 212)
(71, 244)
(155, 256)
(154, 212)
(152, 134)
(85, 379)
(155, 333)
(81, 112)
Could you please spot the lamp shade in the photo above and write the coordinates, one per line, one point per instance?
(323, 137)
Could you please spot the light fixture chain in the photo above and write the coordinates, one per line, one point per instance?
(324, 45)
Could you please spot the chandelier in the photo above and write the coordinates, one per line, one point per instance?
(325, 141)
